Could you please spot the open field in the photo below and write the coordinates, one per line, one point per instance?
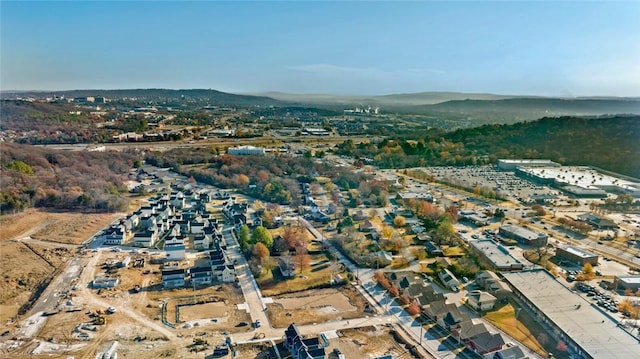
(60, 227)
(316, 306)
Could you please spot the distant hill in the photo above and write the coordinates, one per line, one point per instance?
(204, 96)
(405, 99)
(471, 113)
(472, 109)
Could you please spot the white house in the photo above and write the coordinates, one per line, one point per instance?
(175, 249)
(225, 273)
(481, 301)
(145, 239)
(449, 280)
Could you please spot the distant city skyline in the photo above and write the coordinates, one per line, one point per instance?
(343, 48)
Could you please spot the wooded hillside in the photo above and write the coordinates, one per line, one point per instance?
(608, 142)
(71, 180)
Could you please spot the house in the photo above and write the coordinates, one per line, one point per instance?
(467, 330)
(225, 273)
(437, 309)
(114, 235)
(198, 226)
(405, 283)
(396, 277)
(201, 241)
(201, 275)
(482, 277)
(414, 290)
(510, 352)
(433, 250)
(481, 301)
(175, 249)
(287, 266)
(173, 278)
(145, 239)
(491, 283)
(428, 296)
(451, 318)
(148, 221)
(485, 343)
(359, 216)
(448, 279)
(300, 348)
(368, 227)
(177, 199)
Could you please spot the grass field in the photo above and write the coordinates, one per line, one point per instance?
(525, 330)
(320, 272)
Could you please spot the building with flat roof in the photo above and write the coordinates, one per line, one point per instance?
(524, 235)
(581, 181)
(496, 255)
(626, 282)
(584, 329)
(577, 255)
(512, 164)
(245, 150)
(597, 222)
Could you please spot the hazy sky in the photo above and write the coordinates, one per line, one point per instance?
(538, 48)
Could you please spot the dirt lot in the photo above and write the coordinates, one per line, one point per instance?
(316, 306)
(51, 231)
(61, 227)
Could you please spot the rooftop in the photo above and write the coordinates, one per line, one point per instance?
(579, 176)
(520, 231)
(629, 279)
(592, 329)
(496, 253)
(577, 251)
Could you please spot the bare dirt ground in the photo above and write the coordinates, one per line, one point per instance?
(316, 306)
(137, 323)
(27, 263)
(61, 227)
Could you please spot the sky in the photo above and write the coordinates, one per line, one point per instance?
(332, 47)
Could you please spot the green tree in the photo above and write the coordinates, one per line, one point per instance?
(21, 167)
(243, 237)
(445, 231)
(262, 235)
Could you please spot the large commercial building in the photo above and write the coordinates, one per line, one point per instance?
(513, 164)
(578, 327)
(581, 181)
(524, 235)
(576, 255)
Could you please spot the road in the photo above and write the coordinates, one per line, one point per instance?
(252, 295)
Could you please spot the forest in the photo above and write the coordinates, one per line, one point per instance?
(263, 177)
(69, 180)
(610, 143)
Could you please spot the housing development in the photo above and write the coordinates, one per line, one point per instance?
(292, 245)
